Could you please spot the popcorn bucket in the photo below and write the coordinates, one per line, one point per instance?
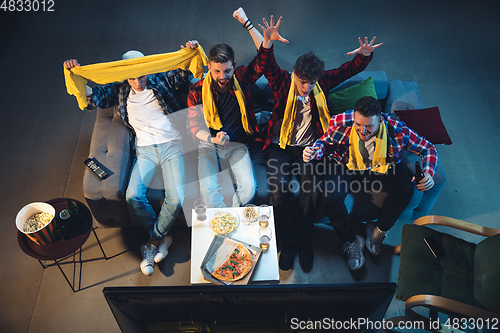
(41, 236)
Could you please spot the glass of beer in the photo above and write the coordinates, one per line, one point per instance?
(265, 238)
(263, 221)
(200, 209)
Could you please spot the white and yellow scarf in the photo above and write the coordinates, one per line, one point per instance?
(210, 111)
(379, 162)
(291, 112)
(115, 71)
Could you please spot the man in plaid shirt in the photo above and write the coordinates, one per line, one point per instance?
(357, 131)
(148, 106)
(221, 116)
(295, 219)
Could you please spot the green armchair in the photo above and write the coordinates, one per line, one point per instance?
(462, 283)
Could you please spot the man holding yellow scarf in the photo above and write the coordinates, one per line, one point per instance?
(222, 118)
(300, 116)
(148, 105)
(364, 146)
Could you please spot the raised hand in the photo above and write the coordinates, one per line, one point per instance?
(270, 31)
(240, 15)
(365, 48)
(70, 63)
(192, 44)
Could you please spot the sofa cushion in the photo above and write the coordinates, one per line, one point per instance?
(379, 79)
(345, 99)
(487, 274)
(450, 276)
(427, 123)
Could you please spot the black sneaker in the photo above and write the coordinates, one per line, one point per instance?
(306, 256)
(287, 258)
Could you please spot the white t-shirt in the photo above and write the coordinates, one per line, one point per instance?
(146, 116)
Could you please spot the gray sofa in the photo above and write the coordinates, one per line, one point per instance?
(111, 145)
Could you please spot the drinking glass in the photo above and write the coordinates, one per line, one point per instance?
(265, 238)
(265, 210)
(200, 209)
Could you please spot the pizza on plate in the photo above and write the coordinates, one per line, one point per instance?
(236, 267)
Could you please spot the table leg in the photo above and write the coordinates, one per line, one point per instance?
(72, 288)
(98, 242)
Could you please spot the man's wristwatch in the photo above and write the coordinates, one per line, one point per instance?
(209, 138)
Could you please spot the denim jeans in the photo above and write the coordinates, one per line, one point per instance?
(168, 158)
(241, 168)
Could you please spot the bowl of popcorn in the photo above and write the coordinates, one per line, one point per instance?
(224, 222)
(250, 214)
(36, 221)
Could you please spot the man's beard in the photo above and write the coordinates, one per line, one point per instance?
(221, 90)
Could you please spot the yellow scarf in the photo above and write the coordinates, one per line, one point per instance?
(291, 111)
(379, 163)
(210, 109)
(120, 70)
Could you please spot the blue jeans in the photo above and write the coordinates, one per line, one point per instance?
(168, 158)
(240, 166)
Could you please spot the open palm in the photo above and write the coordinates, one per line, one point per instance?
(365, 48)
(270, 31)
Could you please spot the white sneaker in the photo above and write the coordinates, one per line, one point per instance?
(148, 264)
(355, 257)
(374, 238)
(163, 248)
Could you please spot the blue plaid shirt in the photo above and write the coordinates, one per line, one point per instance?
(166, 87)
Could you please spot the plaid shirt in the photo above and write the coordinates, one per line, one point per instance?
(246, 76)
(399, 136)
(166, 87)
(280, 82)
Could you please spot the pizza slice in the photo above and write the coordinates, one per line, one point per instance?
(236, 267)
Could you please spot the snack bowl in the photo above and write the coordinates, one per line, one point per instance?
(250, 214)
(224, 222)
(43, 235)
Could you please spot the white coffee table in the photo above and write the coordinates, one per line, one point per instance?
(267, 270)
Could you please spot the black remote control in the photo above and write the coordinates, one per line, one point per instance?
(96, 167)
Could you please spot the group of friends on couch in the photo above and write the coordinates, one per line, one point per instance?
(358, 146)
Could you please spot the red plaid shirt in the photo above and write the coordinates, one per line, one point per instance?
(246, 76)
(280, 82)
(336, 140)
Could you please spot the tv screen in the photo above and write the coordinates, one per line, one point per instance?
(251, 308)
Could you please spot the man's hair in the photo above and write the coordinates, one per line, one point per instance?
(221, 53)
(368, 106)
(309, 67)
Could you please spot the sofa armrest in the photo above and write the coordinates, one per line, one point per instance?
(110, 145)
(422, 202)
(402, 95)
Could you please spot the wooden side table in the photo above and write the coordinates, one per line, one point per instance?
(62, 248)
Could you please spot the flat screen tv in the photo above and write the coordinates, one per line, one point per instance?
(251, 308)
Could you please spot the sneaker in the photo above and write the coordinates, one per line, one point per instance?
(287, 258)
(163, 248)
(374, 238)
(355, 257)
(148, 264)
(306, 256)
